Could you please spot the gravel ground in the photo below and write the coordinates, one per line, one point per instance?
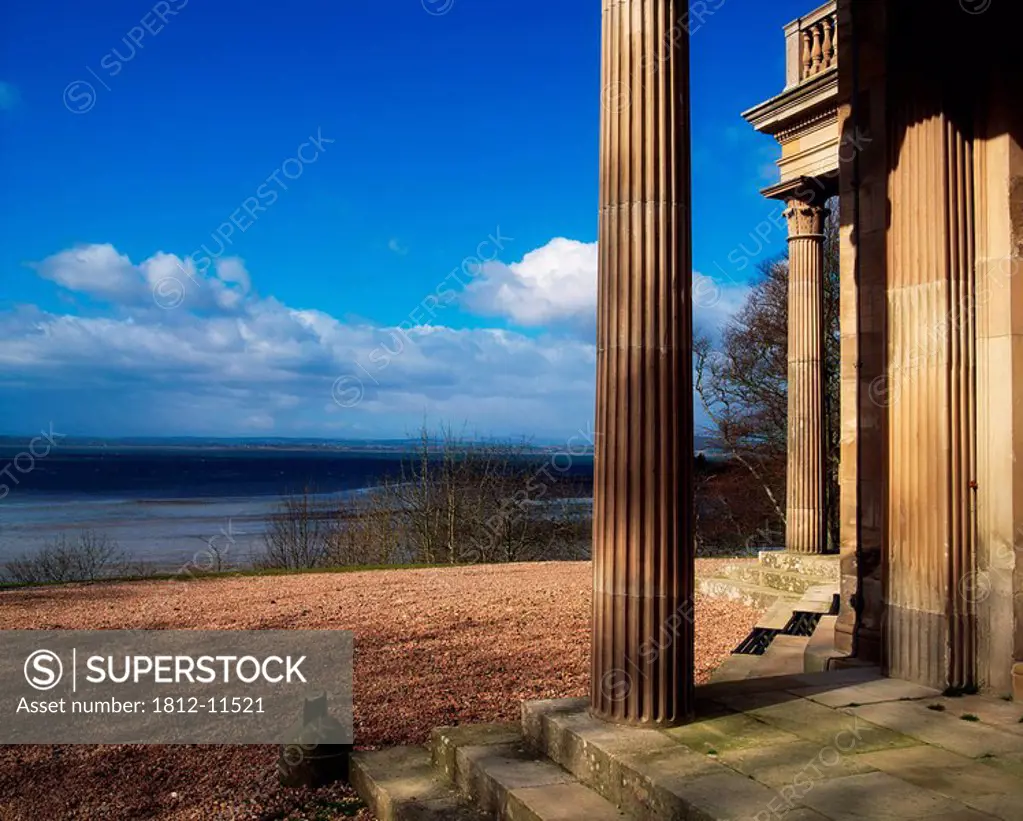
(434, 647)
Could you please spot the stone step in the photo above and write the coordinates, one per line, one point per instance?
(783, 657)
(646, 773)
(821, 649)
(750, 595)
(401, 784)
(778, 615)
(792, 583)
(818, 599)
(506, 779)
(735, 668)
(826, 568)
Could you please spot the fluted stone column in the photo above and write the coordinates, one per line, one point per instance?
(806, 530)
(642, 662)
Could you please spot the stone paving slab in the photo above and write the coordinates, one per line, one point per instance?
(941, 729)
(817, 723)
(609, 737)
(967, 780)
(827, 568)
(1011, 763)
(1006, 807)
(868, 692)
(882, 797)
(794, 763)
(818, 599)
(831, 679)
(1006, 715)
(731, 732)
(730, 796)
(838, 678)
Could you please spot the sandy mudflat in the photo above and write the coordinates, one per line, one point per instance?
(433, 647)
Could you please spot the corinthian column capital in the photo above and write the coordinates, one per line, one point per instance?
(805, 219)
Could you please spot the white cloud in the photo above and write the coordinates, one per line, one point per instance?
(96, 270)
(557, 284)
(163, 280)
(158, 353)
(226, 360)
(714, 302)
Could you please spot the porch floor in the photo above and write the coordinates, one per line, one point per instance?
(841, 745)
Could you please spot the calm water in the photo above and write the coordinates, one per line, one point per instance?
(164, 505)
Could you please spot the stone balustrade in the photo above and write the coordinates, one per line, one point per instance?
(812, 44)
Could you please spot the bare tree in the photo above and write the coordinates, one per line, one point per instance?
(455, 500)
(88, 558)
(296, 536)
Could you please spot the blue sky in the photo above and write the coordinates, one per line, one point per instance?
(352, 156)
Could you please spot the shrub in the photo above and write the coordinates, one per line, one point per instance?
(91, 557)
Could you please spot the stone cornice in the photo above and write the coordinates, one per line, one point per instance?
(828, 116)
(803, 189)
(809, 102)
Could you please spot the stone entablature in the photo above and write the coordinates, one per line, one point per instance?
(804, 117)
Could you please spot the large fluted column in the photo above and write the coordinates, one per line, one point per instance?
(805, 530)
(642, 667)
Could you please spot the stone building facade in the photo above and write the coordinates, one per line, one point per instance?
(908, 111)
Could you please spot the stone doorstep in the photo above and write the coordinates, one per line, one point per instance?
(778, 615)
(819, 599)
(790, 583)
(400, 784)
(750, 762)
(826, 567)
(749, 594)
(736, 668)
(758, 752)
(788, 654)
(445, 742)
(507, 780)
(560, 802)
(784, 656)
(648, 774)
(820, 649)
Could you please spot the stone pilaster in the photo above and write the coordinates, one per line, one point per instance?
(863, 211)
(642, 661)
(806, 530)
(998, 585)
(932, 583)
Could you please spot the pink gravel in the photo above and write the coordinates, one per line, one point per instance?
(433, 647)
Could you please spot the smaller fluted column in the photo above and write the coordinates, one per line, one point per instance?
(806, 526)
